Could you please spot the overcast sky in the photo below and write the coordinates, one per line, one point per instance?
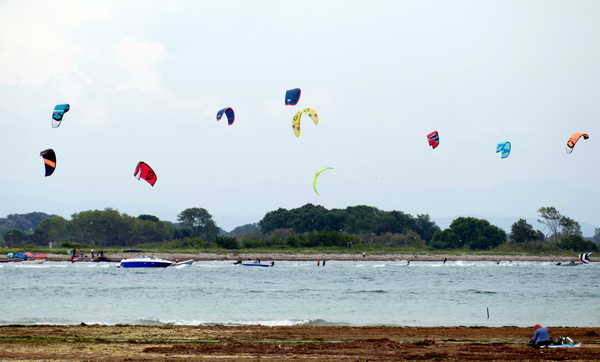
(146, 78)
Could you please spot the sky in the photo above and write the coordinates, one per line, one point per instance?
(145, 80)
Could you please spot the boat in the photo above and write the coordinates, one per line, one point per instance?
(145, 262)
(258, 264)
(185, 262)
(33, 261)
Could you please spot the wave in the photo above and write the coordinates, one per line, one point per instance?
(268, 323)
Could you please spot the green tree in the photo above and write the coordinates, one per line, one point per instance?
(227, 242)
(102, 227)
(445, 239)
(569, 227)
(147, 231)
(597, 236)
(550, 217)
(200, 222)
(15, 237)
(146, 217)
(477, 233)
(577, 243)
(54, 229)
(521, 232)
(425, 227)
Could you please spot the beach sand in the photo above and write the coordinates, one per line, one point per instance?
(303, 343)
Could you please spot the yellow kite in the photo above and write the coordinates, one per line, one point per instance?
(296, 121)
(317, 176)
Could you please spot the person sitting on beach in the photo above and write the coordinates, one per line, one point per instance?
(541, 337)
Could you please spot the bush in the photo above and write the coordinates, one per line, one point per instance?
(446, 239)
(186, 243)
(577, 243)
(74, 245)
(227, 242)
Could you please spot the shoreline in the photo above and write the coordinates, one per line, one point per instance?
(229, 343)
(117, 257)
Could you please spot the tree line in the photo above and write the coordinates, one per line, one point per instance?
(305, 226)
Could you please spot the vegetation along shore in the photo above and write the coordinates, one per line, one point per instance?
(310, 229)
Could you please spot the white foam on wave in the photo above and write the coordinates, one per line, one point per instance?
(379, 266)
(268, 323)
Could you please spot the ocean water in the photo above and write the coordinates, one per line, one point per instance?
(292, 293)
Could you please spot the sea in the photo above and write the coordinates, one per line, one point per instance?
(457, 293)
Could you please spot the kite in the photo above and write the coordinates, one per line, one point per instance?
(143, 170)
(298, 116)
(292, 96)
(584, 258)
(229, 113)
(58, 113)
(49, 161)
(434, 139)
(503, 147)
(317, 174)
(573, 140)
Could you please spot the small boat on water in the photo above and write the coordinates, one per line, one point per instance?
(257, 264)
(145, 262)
(185, 262)
(33, 261)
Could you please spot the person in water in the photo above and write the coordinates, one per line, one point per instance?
(541, 337)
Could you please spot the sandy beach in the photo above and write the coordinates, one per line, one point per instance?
(116, 257)
(314, 343)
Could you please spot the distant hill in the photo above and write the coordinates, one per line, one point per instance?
(24, 222)
(248, 228)
(505, 223)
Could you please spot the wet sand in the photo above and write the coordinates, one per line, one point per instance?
(303, 343)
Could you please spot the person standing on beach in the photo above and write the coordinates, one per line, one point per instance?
(324, 263)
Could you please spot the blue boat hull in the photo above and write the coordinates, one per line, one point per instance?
(144, 264)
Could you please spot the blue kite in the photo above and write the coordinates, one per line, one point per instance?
(58, 113)
(503, 147)
(229, 113)
(292, 96)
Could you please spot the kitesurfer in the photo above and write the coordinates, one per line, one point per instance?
(541, 337)
(324, 262)
(445, 260)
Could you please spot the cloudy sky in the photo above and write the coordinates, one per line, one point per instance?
(146, 78)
